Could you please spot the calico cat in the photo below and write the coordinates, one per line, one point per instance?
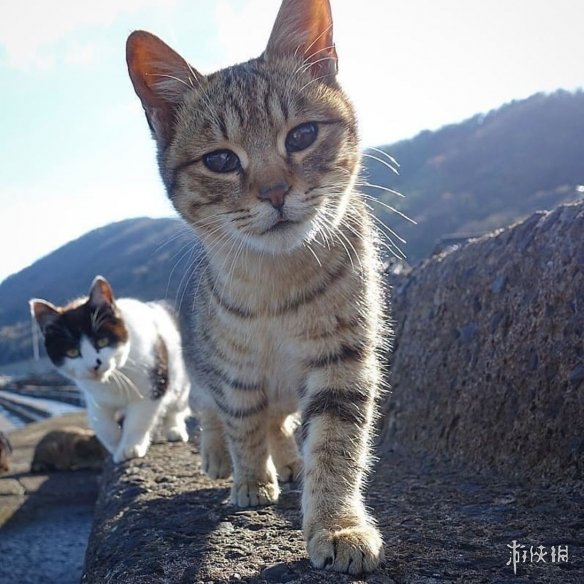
(284, 307)
(126, 357)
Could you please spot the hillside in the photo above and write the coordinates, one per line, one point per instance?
(137, 255)
(485, 172)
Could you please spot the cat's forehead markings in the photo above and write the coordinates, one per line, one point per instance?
(86, 347)
(248, 98)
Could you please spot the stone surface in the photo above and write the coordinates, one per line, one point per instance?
(488, 367)
(45, 518)
(161, 521)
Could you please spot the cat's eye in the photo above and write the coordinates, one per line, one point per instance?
(72, 353)
(301, 137)
(222, 161)
(101, 343)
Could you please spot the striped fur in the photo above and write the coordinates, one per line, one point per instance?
(283, 310)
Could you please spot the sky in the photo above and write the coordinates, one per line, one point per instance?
(76, 152)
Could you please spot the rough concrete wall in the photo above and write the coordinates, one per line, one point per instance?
(488, 367)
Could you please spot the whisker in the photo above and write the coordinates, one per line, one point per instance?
(382, 188)
(191, 248)
(306, 66)
(386, 164)
(391, 159)
(307, 246)
(325, 31)
(184, 230)
(165, 76)
(313, 81)
(393, 209)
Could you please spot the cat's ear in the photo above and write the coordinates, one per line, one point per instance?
(160, 77)
(101, 292)
(305, 28)
(44, 312)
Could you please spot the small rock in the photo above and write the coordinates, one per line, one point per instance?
(278, 573)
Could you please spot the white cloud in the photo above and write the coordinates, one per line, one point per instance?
(86, 53)
(243, 28)
(30, 30)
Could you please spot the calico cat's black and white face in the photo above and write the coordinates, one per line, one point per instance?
(86, 339)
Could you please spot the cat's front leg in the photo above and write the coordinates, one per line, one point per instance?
(337, 416)
(139, 420)
(104, 424)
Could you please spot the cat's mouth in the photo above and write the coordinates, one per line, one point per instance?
(281, 224)
(98, 375)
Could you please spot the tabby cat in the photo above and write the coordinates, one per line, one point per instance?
(283, 309)
(126, 357)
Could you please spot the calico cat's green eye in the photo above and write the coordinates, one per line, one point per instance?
(222, 161)
(72, 353)
(101, 343)
(301, 137)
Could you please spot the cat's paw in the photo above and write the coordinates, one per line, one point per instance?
(354, 550)
(289, 471)
(216, 463)
(127, 452)
(254, 493)
(177, 434)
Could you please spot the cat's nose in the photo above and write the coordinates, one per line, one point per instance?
(97, 364)
(275, 193)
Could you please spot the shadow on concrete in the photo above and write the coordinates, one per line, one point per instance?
(137, 537)
(44, 539)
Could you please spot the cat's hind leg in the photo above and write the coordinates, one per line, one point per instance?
(254, 474)
(175, 428)
(174, 424)
(216, 460)
(283, 447)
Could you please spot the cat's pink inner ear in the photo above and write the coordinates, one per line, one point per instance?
(160, 77)
(304, 28)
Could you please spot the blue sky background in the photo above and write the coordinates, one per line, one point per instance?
(75, 150)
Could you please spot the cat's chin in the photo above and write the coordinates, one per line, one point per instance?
(283, 238)
(98, 377)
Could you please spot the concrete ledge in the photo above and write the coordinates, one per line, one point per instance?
(161, 521)
(488, 368)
